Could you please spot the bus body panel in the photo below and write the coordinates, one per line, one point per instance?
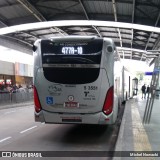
(74, 103)
(118, 82)
(90, 97)
(95, 118)
(108, 60)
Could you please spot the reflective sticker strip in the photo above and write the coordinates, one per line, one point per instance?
(71, 120)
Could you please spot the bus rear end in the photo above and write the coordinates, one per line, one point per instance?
(73, 81)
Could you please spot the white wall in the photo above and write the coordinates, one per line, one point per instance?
(7, 68)
(18, 69)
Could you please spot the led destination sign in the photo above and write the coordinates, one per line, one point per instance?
(49, 47)
(72, 50)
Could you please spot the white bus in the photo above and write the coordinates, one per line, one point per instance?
(74, 80)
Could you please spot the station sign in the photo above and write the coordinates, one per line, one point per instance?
(151, 73)
(148, 73)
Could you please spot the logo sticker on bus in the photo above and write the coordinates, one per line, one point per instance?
(49, 100)
(55, 90)
(89, 96)
(70, 98)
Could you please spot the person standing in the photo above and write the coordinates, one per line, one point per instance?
(147, 91)
(143, 91)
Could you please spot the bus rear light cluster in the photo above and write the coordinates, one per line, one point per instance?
(37, 104)
(108, 104)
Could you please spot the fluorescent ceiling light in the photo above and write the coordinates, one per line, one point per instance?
(48, 24)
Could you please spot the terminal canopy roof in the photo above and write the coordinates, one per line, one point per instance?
(132, 42)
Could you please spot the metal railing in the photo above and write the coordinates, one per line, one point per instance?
(16, 97)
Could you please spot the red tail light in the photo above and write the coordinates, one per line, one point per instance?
(37, 104)
(108, 104)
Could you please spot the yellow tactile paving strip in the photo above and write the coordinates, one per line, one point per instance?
(141, 142)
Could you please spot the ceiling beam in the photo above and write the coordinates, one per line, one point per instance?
(84, 10)
(38, 15)
(15, 38)
(156, 43)
(115, 18)
(31, 34)
(3, 23)
(133, 15)
(62, 10)
(87, 17)
(157, 20)
(18, 39)
(3, 6)
(145, 14)
(27, 5)
(78, 23)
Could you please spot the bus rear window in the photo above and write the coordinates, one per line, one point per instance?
(69, 62)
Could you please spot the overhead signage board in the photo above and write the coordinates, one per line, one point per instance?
(151, 73)
(148, 73)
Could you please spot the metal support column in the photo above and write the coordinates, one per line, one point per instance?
(152, 92)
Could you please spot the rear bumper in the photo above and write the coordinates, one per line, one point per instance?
(94, 118)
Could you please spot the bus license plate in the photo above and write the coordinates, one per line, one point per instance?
(71, 104)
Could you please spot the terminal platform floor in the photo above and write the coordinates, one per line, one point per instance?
(136, 136)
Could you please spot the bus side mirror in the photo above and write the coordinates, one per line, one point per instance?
(34, 48)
